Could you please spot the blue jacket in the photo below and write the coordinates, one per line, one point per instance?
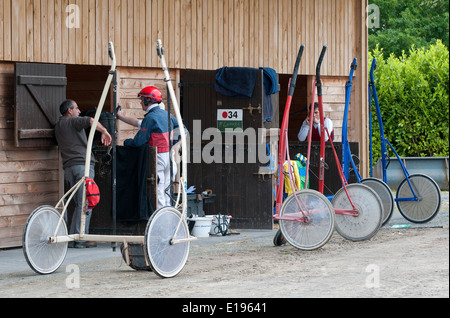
(154, 130)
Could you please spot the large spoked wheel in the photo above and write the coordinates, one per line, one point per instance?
(166, 259)
(429, 198)
(385, 194)
(369, 207)
(41, 255)
(310, 225)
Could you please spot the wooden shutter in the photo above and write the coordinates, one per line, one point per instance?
(39, 90)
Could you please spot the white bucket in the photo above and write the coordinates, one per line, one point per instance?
(201, 227)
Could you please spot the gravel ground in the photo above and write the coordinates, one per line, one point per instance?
(396, 262)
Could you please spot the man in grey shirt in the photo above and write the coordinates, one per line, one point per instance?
(72, 141)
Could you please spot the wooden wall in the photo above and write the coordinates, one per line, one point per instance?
(29, 177)
(130, 81)
(198, 34)
(333, 88)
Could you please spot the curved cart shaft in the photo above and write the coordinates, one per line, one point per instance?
(282, 145)
(176, 108)
(417, 201)
(373, 94)
(80, 183)
(346, 153)
(322, 120)
(101, 103)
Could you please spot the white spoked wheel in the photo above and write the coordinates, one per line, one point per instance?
(368, 204)
(429, 198)
(385, 194)
(166, 259)
(41, 255)
(310, 225)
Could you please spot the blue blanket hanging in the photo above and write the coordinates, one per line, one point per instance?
(270, 80)
(271, 87)
(240, 82)
(235, 81)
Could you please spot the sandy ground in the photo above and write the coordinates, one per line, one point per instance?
(409, 262)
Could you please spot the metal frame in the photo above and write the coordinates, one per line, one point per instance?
(346, 152)
(183, 180)
(383, 140)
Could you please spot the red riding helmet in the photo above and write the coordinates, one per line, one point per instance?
(152, 93)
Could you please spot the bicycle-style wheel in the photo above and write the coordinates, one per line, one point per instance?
(369, 207)
(385, 194)
(429, 198)
(41, 255)
(309, 226)
(166, 259)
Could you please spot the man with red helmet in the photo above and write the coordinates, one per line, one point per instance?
(154, 131)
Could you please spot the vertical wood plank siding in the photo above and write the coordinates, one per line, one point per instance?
(29, 177)
(198, 34)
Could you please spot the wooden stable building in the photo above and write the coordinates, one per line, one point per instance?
(64, 44)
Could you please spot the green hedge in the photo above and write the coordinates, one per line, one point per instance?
(413, 96)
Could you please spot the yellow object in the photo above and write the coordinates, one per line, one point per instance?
(287, 182)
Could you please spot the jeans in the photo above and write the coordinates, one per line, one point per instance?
(72, 175)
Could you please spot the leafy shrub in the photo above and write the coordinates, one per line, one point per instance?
(413, 97)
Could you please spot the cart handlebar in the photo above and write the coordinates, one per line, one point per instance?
(319, 63)
(295, 73)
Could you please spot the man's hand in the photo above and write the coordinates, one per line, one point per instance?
(106, 138)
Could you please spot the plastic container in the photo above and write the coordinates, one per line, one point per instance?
(201, 227)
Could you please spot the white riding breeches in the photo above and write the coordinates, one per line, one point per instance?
(163, 166)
